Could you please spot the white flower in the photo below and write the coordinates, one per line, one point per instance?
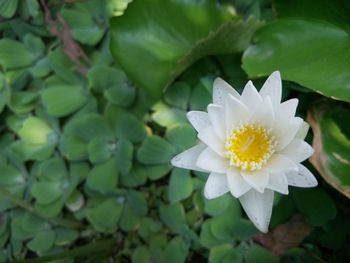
(252, 145)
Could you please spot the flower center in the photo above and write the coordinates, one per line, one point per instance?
(249, 147)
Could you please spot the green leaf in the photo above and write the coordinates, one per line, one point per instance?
(300, 49)
(217, 254)
(154, 54)
(10, 176)
(182, 136)
(335, 12)
(46, 192)
(100, 150)
(137, 201)
(169, 116)
(178, 94)
(91, 126)
(121, 95)
(53, 169)
(72, 148)
(141, 255)
(35, 130)
(102, 77)
(176, 251)
(124, 155)
(330, 124)
(173, 216)
(307, 202)
(63, 100)
(105, 215)
(43, 241)
(258, 254)
(136, 176)
(8, 8)
(217, 206)
(180, 185)
(155, 150)
(155, 172)
(14, 54)
(65, 236)
(84, 25)
(131, 128)
(103, 177)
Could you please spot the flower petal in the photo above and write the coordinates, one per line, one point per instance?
(199, 120)
(188, 158)
(238, 186)
(221, 90)
(286, 110)
(216, 114)
(250, 96)
(298, 150)
(235, 112)
(273, 88)
(278, 182)
(258, 207)
(215, 186)
(302, 132)
(301, 178)
(264, 114)
(211, 161)
(286, 133)
(209, 137)
(279, 163)
(256, 179)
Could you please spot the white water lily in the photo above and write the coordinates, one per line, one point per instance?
(252, 145)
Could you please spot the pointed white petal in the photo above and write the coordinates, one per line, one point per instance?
(301, 178)
(279, 163)
(199, 120)
(273, 88)
(264, 114)
(221, 90)
(215, 186)
(302, 132)
(258, 207)
(286, 133)
(188, 158)
(211, 161)
(238, 186)
(235, 112)
(278, 182)
(256, 179)
(286, 110)
(209, 137)
(250, 96)
(298, 150)
(216, 116)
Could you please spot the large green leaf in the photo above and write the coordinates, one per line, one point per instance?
(168, 36)
(335, 12)
(330, 124)
(312, 53)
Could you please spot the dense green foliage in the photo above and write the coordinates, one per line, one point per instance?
(93, 102)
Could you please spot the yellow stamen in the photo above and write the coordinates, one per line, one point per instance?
(249, 146)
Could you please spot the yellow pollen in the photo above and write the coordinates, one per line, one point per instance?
(249, 147)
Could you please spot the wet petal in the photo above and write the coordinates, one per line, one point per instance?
(278, 182)
(273, 88)
(258, 207)
(216, 116)
(188, 158)
(211, 161)
(199, 120)
(221, 90)
(298, 150)
(215, 186)
(238, 186)
(301, 178)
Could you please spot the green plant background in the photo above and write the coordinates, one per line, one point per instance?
(93, 102)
